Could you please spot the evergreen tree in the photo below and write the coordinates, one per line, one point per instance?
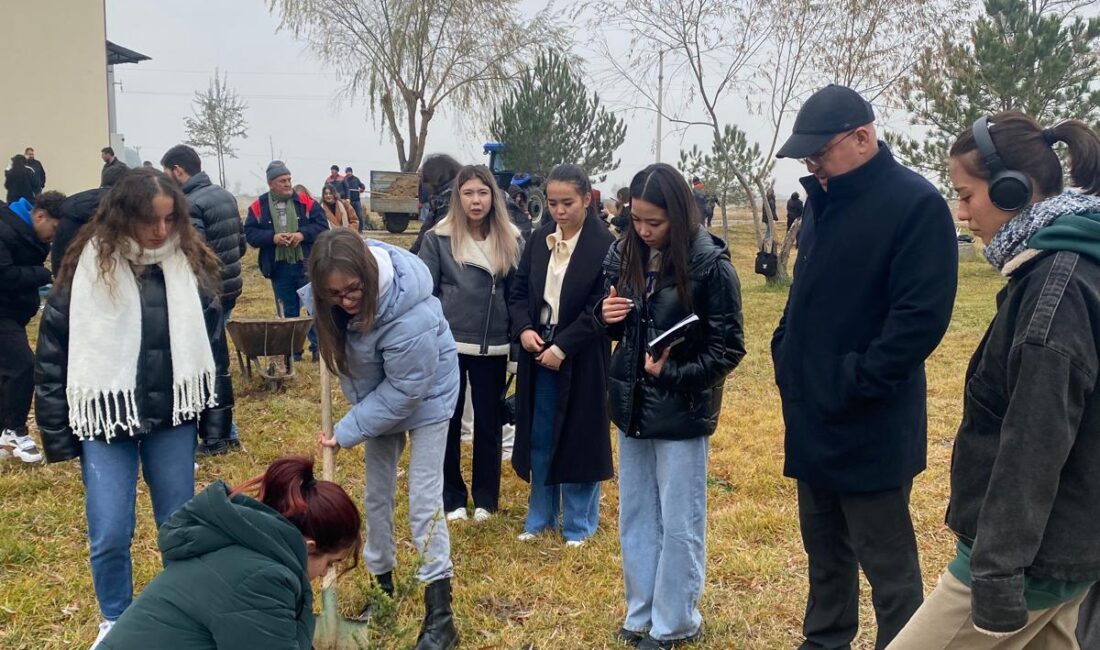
(716, 169)
(550, 118)
(1017, 57)
(218, 120)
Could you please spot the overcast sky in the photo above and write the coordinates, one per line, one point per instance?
(292, 110)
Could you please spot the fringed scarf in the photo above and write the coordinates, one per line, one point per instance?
(105, 340)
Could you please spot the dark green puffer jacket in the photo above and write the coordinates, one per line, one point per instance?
(236, 578)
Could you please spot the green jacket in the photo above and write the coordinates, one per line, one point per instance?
(235, 578)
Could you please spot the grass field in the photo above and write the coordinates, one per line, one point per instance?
(511, 595)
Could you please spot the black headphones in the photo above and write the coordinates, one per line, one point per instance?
(1009, 190)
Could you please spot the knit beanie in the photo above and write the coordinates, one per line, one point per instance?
(276, 169)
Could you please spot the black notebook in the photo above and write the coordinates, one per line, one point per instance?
(674, 335)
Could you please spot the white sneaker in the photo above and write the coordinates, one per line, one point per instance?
(526, 537)
(104, 628)
(21, 447)
(481, 514)
(575, 543)
(457, 515)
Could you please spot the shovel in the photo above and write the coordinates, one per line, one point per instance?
(334, 632)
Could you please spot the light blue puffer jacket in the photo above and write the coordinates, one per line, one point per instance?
(403, 373)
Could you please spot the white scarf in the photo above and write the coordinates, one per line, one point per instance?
(105, 340)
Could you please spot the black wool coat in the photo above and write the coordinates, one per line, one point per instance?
(582, 432)
(874, 286)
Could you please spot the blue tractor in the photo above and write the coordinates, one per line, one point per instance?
(527, 190)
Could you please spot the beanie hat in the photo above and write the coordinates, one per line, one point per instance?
(276, 169)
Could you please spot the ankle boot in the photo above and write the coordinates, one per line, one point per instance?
(385, 583)
(438, 631)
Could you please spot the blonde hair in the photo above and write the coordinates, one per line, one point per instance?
(501, 235)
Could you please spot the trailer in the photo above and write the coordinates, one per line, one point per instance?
(394, 195)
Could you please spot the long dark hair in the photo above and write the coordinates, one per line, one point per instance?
(1023, 146)
(130, 200)
(437, 171)
(18, 162)
(340, 251)
(665, 187)
(321, 510)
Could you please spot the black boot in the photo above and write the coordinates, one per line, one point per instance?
(385, 583)
(438, 631)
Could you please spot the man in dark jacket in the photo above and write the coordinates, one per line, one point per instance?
(110, 164)
(355, 191)
(704, 202)
(214, 214)
(337, 181)
(873, 290)
(25, 233)
(77, 211)
(36, 165)
(282, 225)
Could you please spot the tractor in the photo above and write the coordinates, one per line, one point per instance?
(514, 183)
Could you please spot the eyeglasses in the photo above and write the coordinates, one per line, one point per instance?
(818, 158)
(353, 293)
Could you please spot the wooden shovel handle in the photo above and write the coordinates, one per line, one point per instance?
(328, 458)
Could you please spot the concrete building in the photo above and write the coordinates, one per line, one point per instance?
(59, 100)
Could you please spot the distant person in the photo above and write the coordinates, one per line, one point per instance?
(125, 366)
(77, 211)
(109, 161)
(337, 181)
(282, 224)
(216, 217)
(1024, 480)
(239, 568)
(437, 172)
(771, 216)
(25, 234)
(472, 256)
(338, 212)
(621, 221)
(794, 210)
(146, 164)
(849, 356)
(36, 165)
(21, 181)
(703, 201)
(355, 195)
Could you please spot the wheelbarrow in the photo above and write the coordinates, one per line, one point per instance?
(263, 340)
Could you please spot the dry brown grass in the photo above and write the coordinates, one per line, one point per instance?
(511, 595)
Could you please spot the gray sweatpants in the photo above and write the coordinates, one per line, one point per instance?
(426, 521)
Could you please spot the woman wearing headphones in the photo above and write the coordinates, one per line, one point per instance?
(1024, 483)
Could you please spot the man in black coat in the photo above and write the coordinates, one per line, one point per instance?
(355, 191)
(873, 290)
(25, 233)
(110, 164)
(215, 215)
(77, 211)
(36, 165)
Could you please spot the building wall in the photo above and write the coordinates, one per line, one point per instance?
(60, 83)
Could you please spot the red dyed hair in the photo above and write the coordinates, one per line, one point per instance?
(322, 510)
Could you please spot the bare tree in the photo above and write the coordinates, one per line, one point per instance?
(218, 120)
(409, 60)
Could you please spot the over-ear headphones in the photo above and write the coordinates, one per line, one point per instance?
(1009, 190)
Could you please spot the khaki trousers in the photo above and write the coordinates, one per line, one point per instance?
(944, 622)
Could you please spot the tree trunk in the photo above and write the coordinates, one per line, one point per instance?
(725, 224)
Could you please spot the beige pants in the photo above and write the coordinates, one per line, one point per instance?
(944, 622)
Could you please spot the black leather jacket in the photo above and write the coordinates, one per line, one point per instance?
(154, 374)
(685, 401)
(215, 215)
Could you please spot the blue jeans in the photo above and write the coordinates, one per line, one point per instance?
(578, 503)
(110, 473)
(663, 533)
(227, 311)
(286, 279)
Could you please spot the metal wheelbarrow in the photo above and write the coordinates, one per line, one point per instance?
(263, 340)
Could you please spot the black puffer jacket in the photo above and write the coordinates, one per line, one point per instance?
(21, 270)
(685, 401)
(154, 375)
(76, 212)
(215, 215)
